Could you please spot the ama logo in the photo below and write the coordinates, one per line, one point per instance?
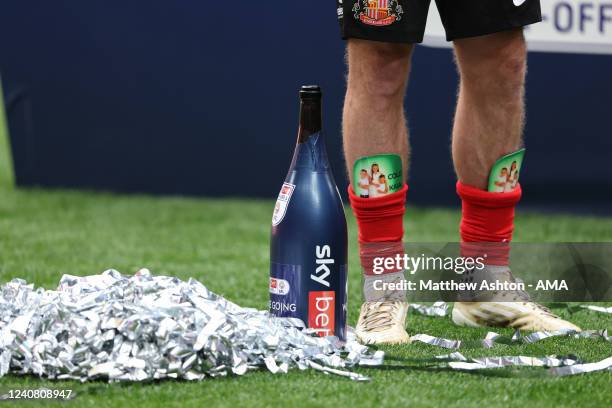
(322, 303)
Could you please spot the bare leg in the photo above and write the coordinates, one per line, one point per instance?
(490, 108)
(373, 116)
(489, 124)
(374, 123)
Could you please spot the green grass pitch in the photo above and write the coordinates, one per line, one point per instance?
(224, 244)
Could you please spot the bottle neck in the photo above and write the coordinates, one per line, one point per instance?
(310, 118)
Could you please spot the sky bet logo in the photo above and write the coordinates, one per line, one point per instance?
(321, 306)
(323, 259)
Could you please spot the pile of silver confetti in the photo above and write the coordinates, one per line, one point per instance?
(147, 327)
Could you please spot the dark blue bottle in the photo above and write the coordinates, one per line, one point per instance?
(308, 249)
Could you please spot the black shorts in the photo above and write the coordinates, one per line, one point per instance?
(403, 21)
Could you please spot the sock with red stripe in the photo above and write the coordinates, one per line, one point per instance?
(381, 226)
(487, 223)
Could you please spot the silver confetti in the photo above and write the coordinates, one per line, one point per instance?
(436, 341)
(582, 368)
(595, 308)
(438, 309)
(541, 335)
(558, 366)
(508, 361)
(149, 327)
(492, 338)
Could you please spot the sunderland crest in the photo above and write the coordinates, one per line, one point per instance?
(378, 12)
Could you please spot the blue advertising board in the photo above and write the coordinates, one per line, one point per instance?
(200, 98)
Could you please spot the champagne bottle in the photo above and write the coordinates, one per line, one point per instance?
(308, 249)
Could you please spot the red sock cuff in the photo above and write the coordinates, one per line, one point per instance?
(486, 199)
(381, 226)
(487, 217)
(380, 219)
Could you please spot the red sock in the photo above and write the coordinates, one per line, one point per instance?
(381, 226)
(487, 221)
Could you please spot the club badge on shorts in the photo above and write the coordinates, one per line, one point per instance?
(378, 12)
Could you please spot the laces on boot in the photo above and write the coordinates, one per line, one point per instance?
(380, 315)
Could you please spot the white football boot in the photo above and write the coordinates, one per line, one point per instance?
(383, 314)
(505, 309)
(518, 315)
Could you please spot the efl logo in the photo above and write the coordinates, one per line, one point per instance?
(279, 286)
(321, 306)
